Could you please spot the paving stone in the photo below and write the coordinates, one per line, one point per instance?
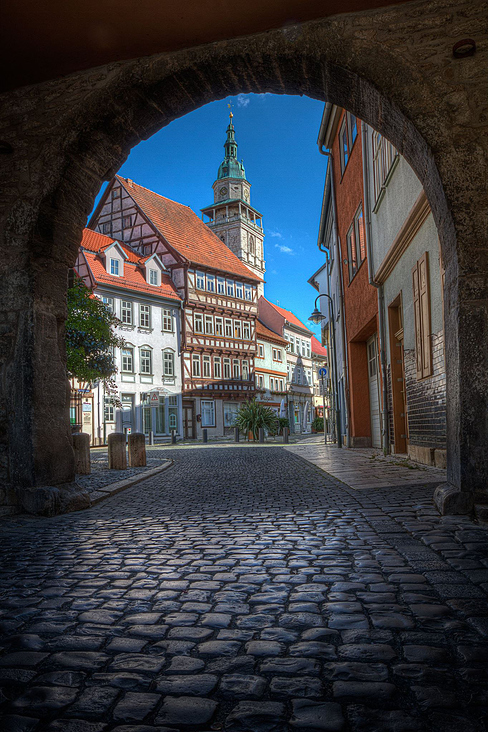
(134, 707)
(301, 686)
(241, 686)
(137, 662)
(186, 710)
(346, 621)
(122, 680)
(75, 725)
(427, 654)
(352, 671)
(22, 658)
(433, 696)
(185, 665)
(364, 719)
(45, 699)
(264, 648)
(79, 660)
(376, 691)
(256, 716)
(196, 685)
(300, 620)
(93, 702)
(367, 652)
(219, 648)
(316, 717)
(62, 678)
(292, 666)
(216, 620)
(18, 723)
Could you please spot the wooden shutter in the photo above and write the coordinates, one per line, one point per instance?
(424, 290)
(418, 321)
(421, 303)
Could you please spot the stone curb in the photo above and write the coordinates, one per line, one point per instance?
(114, 488)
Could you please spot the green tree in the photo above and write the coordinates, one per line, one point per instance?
(251, 416)
(90, 337)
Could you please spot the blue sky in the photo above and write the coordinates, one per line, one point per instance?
(276, 138)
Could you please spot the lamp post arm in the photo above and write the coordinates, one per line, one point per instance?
(334, 359)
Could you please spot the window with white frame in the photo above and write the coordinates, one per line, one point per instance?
(114, 267)
(145, 360)
(308, 350)
(217, 367)
(219, 326)
(196, 365)
(109, 410)
(230, 288)
(298, 375)
(384, 155)
(260, 380)
(168, 362)
(209, 324)
(206, 367)
(288, 371)
(201, 280)
(356, 243)
(236, 371)
(226, 368)
(145, 316)
(248, 292)
(237, 329)
(173, 412)
(260, 350)
(271, 383)
(245, 370)
(246, 330)
(228, 328)
(281, 384)
(198, 323)
(277, 355)
(153, 277)
(167, 316)
(347, 137)
(304, 348)
(211, 283)
(127, 360)
(208, 413)
(109, 304)
(126, 312)
(239, 290)
(220, 286)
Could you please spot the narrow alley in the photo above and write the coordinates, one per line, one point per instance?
(245, 589)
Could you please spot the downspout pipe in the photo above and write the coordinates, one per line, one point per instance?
(345, 364)
(379, 288)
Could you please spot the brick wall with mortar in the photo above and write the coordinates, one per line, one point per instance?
(392, 67)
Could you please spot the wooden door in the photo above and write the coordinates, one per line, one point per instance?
(397, 371)
(189, 420)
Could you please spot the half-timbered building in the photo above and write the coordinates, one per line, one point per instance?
(219, 293)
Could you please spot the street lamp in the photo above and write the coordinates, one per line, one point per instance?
(316, 318)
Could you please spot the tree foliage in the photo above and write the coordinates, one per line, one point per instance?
(252, 415)
(90, 337)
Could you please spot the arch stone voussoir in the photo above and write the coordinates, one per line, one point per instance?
(392, 67)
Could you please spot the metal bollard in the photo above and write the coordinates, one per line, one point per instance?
(81, 446)
(173, 437)
(137, 450)
(117, 455)
(205, 435)
(151, 437)
(286, 433)
(261, 434)
(236, 434)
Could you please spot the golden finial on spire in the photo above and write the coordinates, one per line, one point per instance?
(230, 111)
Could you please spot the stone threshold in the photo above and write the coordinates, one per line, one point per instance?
(113, 488)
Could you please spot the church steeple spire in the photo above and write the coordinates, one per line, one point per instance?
(230, 166)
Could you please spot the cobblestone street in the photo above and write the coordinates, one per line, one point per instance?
(245, 590)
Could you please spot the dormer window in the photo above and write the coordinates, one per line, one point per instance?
(153, 277)
(114, 267)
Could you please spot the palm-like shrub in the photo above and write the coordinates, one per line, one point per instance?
(252, 415)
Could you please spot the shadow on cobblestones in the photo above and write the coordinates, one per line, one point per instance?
(244, 589)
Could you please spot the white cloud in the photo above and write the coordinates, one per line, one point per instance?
(284, 249)
(242, 100)
(273, 271)
(276, 234)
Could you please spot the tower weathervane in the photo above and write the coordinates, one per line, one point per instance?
(230, 110)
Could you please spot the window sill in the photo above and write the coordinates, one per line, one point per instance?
(144, 329)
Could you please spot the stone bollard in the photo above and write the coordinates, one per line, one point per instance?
(205, 435)
(236, 434)
(173, 437)
(286, 433)
(81, 446)
(261, 434)
(137, 450)
(117, 456)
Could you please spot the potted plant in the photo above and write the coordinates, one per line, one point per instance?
(318, 424)
(252, 415)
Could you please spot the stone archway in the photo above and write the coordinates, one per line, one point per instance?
(392, 67)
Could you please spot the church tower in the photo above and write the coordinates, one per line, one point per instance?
(231, 217)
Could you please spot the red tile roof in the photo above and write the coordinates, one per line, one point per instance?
(263, 332)
(317, 348)
(288, 315)
(133, 278)
(186, 232)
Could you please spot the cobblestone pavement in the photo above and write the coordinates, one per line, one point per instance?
(245, 590)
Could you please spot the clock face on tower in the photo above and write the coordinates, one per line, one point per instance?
(246, 194)
(223, 191)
